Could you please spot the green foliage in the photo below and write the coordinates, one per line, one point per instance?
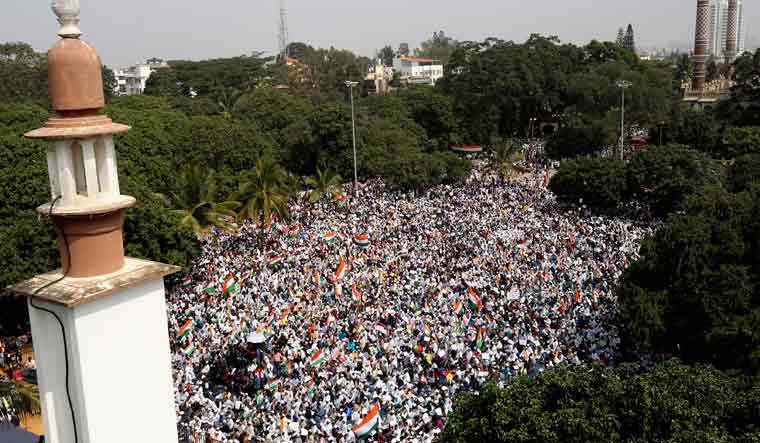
(739, 141)
(574, 141)
(695, 291)
(109, 83)
(264, 192)
(745, 172)
(743, 107)
(695, 129)
(438, 47)
(672, 403)
(197, 201)
(323, 183)
(23, 74)
(498, 86)
(188, 78)
(665, 176)
(598, 182)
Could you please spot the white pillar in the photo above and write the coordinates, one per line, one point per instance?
(107, 170)
(52, 163)
(119, 367)
(90, 168)
(65, 165)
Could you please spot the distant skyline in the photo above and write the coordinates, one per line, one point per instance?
(126, 32)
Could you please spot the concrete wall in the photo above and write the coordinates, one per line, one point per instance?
(120, 368)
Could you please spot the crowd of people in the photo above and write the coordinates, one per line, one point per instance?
(294, 332)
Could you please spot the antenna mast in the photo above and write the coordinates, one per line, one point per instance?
(283, 35)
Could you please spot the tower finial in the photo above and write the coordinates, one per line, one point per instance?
(68, 16)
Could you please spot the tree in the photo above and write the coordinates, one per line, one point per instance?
(324, 182)
(264, 192)
(695, 291)
(439, 47)
(671, 403)
(665, 176)
(23, 74)
(712, 71)
(684, 67)
(743, 106)
(570, 142)
(386, 55)
(595, 181)
(745, 173)
(628, 41)
(196, 201)
(739, 141)
(109, 83)
(505, 155)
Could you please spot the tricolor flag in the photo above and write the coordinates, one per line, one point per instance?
(330, 237)
(274, 261)
(361, 240)
(189, 350)
(357, 294)
(475, 301)
(317, 359)
(273, 385)
(381, 328)
(479, 339)
(363, 430)
(210, 290)
(185, 328)
(341, 271)
(187, 281)
(284, 316)
(459, 307)
(230, 285)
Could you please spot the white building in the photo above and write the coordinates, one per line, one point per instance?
(719, 28)
(132, 80)
(418, 71)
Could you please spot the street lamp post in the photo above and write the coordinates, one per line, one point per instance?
(350, 85)
(623, 85)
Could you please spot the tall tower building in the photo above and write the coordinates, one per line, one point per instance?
(701, 40)
(719, 28)
(731, 31)
(99, 323)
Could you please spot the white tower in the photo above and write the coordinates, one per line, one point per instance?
(99, 324)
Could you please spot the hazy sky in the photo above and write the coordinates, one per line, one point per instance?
(127, 31)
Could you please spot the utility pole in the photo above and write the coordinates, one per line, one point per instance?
(623, 85)
(350, 85)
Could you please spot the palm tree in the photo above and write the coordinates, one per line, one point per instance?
(23, 397)
(226, 99)
(197, 201)
(265, 191)
(505, 156)
(325, 182)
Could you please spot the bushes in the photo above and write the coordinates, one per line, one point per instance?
(744, 172)
(695, 291)
(670, 403)
(571, 142)
(598, 182)
(663, 177)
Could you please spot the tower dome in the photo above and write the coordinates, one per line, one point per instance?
(75, 77)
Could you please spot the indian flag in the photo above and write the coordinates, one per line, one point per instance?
(187, 281)
(426, 330)
(317, 359)
(189, 350)
(341, 271)
(330, 237)
(459, 307)
(475, 301)
(284, 316)
(274, 261)
(210, 290)
(363, 430)
(185, 329)
(230, 285)
(362, 240)
(381, 328)
(272, 386)
(479, 339)
(357, 294)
